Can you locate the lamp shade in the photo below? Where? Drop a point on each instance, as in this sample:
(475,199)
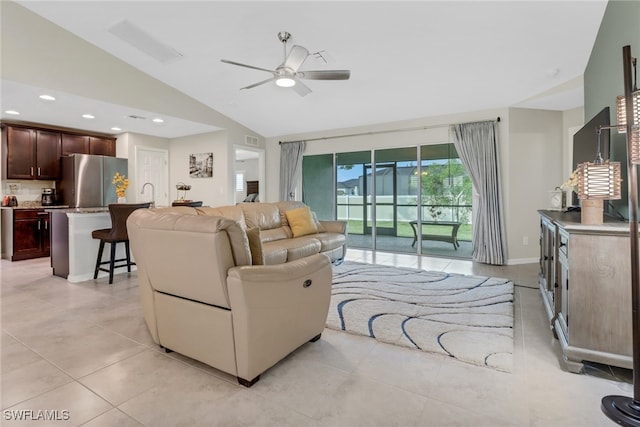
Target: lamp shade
(599,180)
(622,111)
(635,144)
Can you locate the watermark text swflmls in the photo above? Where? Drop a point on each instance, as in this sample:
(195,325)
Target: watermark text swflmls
(36,415)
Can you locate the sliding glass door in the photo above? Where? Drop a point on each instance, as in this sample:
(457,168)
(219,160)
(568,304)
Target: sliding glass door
(410,199)
(446,202)
(385,199)
(353,201)
(396,199)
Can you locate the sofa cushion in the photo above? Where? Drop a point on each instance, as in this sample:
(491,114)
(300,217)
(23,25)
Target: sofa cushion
(319,225)
(273,234)
(274,254)
(265,216)
(255,245)
(288,205)
(232,212)
(298,247)
(329,241)
(301,221)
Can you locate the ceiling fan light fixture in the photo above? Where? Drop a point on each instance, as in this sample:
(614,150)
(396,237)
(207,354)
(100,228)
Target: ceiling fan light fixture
(285,81)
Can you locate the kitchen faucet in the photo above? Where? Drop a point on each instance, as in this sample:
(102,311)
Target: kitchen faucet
(153,193)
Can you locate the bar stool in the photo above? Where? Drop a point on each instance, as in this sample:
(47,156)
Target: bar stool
(116,234)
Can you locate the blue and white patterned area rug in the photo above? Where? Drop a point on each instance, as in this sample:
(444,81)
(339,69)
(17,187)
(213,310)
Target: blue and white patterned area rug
(469,318)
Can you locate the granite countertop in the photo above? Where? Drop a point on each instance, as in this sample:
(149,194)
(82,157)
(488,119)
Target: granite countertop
(35,206)
(69,210)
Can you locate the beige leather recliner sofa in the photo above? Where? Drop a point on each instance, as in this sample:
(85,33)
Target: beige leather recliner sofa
(202,297)
(278,241)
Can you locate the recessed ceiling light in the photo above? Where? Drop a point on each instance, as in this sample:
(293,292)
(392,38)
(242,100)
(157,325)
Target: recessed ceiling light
(88,116)
(115,128)
(47,97)
(14,112)
(158,120)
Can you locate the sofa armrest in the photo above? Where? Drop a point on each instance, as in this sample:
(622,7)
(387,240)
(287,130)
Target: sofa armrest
(335,226)
(249,283)
(276,309)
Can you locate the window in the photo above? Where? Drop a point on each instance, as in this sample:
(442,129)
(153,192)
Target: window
(240,181)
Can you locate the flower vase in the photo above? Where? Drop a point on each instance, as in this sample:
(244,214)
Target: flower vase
(122,199)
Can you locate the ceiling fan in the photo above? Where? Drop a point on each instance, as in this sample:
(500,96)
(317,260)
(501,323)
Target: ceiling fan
(287,74)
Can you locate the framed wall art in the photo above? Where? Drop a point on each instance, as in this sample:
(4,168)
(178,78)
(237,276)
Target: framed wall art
(201,165)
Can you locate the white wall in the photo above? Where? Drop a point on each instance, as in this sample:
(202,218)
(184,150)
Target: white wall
(215,191)
(251,169)
(535,158)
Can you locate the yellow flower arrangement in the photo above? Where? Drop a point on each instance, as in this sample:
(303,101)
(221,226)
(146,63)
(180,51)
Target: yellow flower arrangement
(571,183)
(121,183)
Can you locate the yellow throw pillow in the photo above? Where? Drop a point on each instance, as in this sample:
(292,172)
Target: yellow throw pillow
(301,221)
(255,246)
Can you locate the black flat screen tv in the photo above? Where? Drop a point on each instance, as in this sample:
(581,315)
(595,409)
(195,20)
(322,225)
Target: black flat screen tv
(585,141)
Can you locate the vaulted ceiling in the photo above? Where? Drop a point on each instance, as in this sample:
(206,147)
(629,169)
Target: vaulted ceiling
(407,59)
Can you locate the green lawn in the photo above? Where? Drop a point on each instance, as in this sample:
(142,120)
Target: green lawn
(405,230)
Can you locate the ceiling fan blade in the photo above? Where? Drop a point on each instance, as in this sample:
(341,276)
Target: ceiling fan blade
(296,57)
(324,75)
(301,88)
(245,65)
(258,84)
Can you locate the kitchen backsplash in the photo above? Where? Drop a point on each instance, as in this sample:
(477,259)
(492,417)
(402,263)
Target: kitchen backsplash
(26,191)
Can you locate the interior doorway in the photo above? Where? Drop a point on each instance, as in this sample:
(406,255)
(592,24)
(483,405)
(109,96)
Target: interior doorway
(249,175)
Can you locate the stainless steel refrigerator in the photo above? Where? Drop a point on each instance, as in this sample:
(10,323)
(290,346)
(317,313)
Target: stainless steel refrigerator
(87,180)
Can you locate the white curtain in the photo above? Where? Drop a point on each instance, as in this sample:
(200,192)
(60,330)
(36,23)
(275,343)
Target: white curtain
(477,147)
(290,168)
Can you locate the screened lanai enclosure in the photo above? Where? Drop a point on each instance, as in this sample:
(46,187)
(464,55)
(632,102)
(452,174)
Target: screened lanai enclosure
(407,200)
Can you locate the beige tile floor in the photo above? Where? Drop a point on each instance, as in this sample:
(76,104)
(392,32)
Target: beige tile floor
(83,350)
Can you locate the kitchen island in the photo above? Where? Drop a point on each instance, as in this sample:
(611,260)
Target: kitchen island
(73,250)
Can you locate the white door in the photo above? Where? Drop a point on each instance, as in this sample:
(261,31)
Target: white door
(152,165)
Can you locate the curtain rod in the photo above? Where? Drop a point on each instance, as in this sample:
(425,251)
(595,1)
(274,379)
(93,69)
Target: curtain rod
(381,132)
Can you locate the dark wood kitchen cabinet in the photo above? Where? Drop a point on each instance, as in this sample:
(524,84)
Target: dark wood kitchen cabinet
(31,234)
(102,146)
(32,153)
(47,155)
(84,144)
(72,144)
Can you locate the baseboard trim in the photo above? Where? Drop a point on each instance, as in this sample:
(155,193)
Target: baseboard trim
(518,261)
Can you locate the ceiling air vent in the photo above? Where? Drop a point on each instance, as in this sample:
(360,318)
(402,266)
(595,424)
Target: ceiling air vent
(251,140)
(138,38)
(136,117)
